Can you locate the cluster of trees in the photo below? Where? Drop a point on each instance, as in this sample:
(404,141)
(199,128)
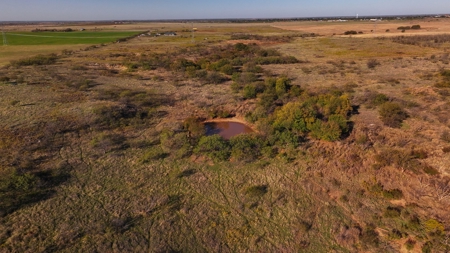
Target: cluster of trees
(282,39)
(423,40)
(414,27)
(36,60)
(352,32)
(215,64)
(323,117)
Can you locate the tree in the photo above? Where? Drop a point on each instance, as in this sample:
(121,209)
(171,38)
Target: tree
(214,146)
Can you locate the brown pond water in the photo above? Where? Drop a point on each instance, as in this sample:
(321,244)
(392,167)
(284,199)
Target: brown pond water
(226,129)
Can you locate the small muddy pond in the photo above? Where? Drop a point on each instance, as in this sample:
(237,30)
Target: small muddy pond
(226,129)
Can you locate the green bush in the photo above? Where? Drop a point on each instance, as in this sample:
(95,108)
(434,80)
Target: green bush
(281,86)
(380,99)
(182,64)
(215,78)
(20,182)
(245,147)
(227,69)
(153,153)
(249,91)
(36,60)
(252,67)
(392,114)
(257,191)
(194,126)
(328,131)
(214,147)
(325,116)
(393,194)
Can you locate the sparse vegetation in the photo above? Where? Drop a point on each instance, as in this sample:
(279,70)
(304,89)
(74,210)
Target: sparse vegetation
(104,148)
(392,114)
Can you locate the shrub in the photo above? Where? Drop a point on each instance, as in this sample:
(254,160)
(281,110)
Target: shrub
(252,67)
(395,157)
(36,60)
(395,234)
(391,212)
(257,191)
(245,78)
(215,78)
(245,147)
(372,63)
(281,86)
(427,247)
(416,27)
(380,99)
(392,114)
(153,153)
(370,237)
(430,170)
(409,244)
(393,194)
(419,153)
(328,131)
(434,226)
(4,79)
(214,146)
(350,32)
(194,126)
(21,181)
(227,69)
(249,91)
(241,47)
(445,136)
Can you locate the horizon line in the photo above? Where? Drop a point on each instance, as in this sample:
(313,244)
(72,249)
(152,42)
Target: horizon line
(225,19)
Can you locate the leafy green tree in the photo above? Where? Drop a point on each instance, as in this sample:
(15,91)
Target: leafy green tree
(249,91)
(282,86)
(245,147)
(214,146)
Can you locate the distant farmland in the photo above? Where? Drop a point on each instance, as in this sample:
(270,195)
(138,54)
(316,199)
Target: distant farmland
(64,38)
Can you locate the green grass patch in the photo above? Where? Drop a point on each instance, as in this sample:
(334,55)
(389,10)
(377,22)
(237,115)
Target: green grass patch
(64,38)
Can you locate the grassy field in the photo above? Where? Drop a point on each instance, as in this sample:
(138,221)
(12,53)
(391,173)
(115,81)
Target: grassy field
(102,150)
(63,38)
(26,44)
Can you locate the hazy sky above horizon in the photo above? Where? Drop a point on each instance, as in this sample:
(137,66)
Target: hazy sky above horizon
(50,10)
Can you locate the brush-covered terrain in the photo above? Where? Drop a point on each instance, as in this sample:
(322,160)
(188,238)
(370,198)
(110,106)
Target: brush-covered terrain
(103,148)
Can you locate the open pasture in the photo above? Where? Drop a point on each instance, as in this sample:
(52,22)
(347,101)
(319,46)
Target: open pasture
(64,38)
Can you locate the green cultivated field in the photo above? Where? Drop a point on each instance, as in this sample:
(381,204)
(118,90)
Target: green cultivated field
(64,38)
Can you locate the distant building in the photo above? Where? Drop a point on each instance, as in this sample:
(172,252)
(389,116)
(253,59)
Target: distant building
(170,34)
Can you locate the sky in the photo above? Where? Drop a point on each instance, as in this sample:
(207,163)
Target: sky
(68,10)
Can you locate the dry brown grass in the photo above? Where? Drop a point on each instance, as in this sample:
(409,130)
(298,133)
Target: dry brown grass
(319,197)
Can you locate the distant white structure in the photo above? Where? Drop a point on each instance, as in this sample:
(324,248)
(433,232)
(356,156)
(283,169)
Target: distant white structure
(357,16)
